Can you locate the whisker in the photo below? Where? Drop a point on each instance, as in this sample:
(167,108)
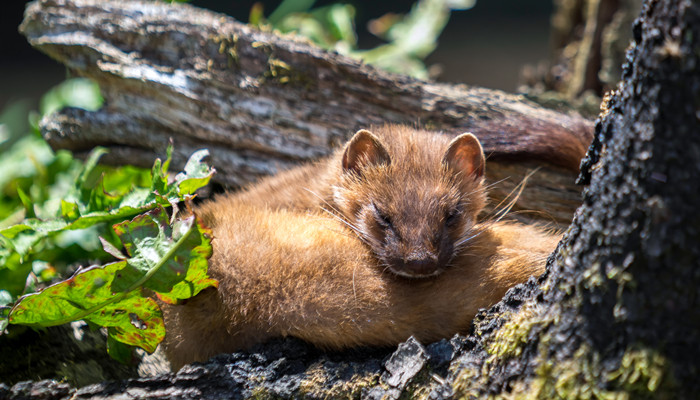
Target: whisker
(499,214)
(354,291)
(341,219)
(324,201)
(463,241)
(492,184)
(544,214)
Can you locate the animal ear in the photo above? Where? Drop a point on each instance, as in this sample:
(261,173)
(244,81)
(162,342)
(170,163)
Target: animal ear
(364,149)
(465,155)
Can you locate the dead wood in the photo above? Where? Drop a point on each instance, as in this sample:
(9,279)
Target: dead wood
(261,102)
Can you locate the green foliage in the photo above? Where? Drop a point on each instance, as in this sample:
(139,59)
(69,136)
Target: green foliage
(33,185)
(167,258)
(410,38)
(56,211)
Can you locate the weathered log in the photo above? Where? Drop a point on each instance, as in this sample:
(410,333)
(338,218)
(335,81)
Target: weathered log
(262,103)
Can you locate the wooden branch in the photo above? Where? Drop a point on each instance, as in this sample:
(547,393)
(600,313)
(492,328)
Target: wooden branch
(262,103)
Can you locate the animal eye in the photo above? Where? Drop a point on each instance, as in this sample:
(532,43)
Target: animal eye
(382,218)
(452,217)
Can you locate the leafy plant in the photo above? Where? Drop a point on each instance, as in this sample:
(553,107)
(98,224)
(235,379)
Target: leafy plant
(52,224)
(34,182)
(410,38)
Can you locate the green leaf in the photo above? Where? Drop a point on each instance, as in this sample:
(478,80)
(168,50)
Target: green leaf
(90,165)
(27,235)
(288,7)
(4,313)
(69,210)
(168,155)
(168,258)
(87,295)
(78,92)
(26,202)
(196,175)
(136,321)
(112,249)
(75,298)
(148,240)
(340,18)
(171,259)
(99,206)
(118,350)
(199,245)
(122,180)
(15,280)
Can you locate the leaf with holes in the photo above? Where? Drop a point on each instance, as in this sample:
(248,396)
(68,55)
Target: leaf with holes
(164,255)
(87,295)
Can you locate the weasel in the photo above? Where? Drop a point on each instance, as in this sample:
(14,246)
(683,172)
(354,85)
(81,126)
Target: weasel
(397,252)
(411,195)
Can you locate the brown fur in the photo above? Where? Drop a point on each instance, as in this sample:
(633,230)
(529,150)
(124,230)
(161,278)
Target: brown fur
(418,178)
(286,273)
(287,268)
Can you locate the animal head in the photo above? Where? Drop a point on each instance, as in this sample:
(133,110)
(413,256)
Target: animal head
(412,196)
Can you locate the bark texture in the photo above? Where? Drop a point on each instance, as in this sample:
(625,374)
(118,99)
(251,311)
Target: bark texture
(616,315)
(261,103)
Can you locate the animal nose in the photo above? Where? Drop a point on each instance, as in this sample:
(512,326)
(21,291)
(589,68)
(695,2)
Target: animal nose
(418,264)
(420,268)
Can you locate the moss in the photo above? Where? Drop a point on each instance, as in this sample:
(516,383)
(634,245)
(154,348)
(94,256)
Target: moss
(228,45)
(261,393)
(466,385)
(642,374)
(316,384)
(592,277)
(279,70)
(507,342)
(642,370)
(262,45)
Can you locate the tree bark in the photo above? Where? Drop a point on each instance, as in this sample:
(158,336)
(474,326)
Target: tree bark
(617,313)
(261,103)
(614,316)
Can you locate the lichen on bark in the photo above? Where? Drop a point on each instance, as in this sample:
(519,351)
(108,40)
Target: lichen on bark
(620,295)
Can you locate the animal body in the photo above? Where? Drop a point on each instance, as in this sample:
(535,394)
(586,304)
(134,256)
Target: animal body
(368,247)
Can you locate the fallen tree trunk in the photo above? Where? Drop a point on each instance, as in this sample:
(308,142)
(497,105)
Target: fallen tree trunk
(262,103)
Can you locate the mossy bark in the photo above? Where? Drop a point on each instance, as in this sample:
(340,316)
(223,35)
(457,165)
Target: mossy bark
(616,315)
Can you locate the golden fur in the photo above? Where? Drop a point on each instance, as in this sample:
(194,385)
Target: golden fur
(285,267)
(286,273)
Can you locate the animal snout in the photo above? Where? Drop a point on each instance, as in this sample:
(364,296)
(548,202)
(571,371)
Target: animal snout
(417,266)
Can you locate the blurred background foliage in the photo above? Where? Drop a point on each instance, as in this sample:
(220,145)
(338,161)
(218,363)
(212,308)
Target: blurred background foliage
(396,36)
(409,37)
(33,182)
